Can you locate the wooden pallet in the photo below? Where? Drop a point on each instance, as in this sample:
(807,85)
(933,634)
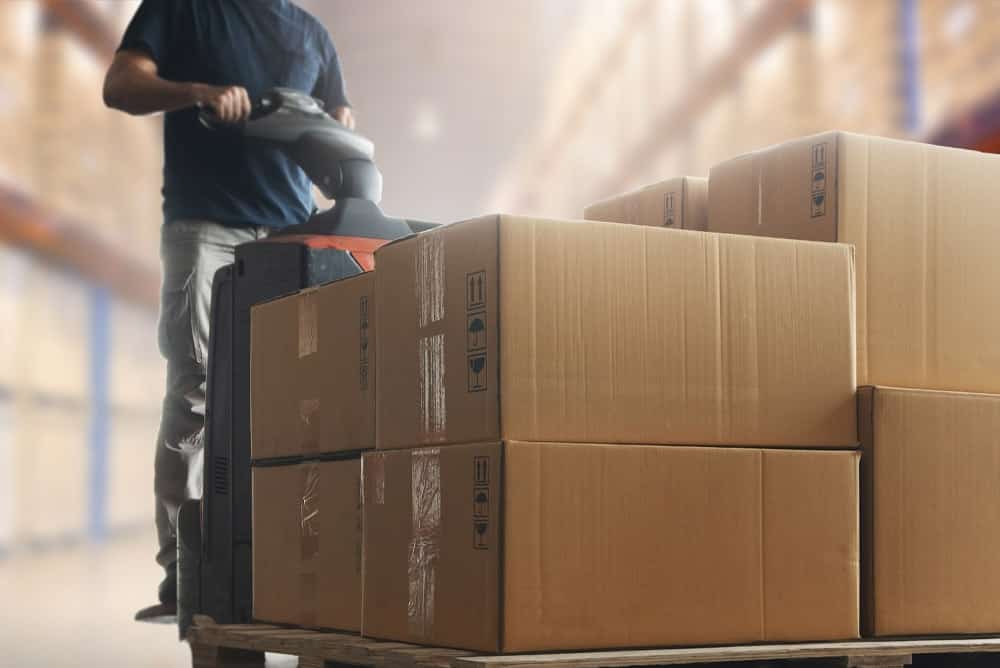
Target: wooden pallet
(243,646)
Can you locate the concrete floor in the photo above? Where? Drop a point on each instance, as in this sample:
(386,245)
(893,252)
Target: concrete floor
(73,607)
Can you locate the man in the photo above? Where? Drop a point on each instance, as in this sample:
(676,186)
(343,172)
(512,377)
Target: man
(178,56)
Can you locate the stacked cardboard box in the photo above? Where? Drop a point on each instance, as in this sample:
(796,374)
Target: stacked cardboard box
(312,412)
(923,222)
(530,373)
(680,203)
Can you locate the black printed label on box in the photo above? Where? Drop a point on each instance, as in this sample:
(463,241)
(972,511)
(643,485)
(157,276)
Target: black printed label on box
(481,503)
(477,372)
(669,220)
(817,185)
(482,470)
(475,291)
(475,332)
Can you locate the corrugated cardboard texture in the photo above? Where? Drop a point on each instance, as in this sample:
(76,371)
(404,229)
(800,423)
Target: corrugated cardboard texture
(595,332)
(616,546)
(277,493)
(678,203)
(438,361)
(312,371)
(614,333)
(934,506)
(922,219)
(307,544)
(432,550)
(338,601)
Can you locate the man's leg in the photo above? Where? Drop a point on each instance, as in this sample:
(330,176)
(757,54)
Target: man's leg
(191,251)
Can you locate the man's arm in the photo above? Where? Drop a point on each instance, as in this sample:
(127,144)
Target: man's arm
(345,115)
(330,87)
(133,85)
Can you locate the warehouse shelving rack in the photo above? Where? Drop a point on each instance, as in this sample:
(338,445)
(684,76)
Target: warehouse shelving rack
(108,276)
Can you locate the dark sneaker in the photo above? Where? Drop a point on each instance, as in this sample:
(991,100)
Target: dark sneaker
(168,588)
(161,613)
(164,612)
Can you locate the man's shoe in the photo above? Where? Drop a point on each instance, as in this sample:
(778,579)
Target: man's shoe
(161,613)
(168,588)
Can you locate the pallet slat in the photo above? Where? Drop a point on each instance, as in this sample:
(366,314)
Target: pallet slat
(856,652)
(215,646)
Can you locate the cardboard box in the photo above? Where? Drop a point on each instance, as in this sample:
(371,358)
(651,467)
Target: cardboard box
(678,203)
(589,332)
(528,547)
(923,222)
(312,371)
(307,544)
(931,509)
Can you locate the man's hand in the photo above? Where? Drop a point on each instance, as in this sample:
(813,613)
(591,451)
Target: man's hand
(345,116)
(231,104)
(133,85)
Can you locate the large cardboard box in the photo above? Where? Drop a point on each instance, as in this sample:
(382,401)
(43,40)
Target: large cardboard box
(589,332)
(678,203)
(307,544)
(312,377)
(931,509)
(527,547)
(923,220)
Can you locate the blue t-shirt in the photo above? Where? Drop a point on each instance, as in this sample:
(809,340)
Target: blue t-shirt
(257,44)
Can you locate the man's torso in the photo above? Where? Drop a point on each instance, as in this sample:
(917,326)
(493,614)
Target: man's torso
(257,44)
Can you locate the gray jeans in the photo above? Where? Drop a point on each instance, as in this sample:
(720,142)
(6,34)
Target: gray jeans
(191,252)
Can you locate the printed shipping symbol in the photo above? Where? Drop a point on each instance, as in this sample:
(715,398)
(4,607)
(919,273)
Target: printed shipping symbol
(476,332)
(475,291)
(482,467)
(477,372)
(479,535)
(481,502)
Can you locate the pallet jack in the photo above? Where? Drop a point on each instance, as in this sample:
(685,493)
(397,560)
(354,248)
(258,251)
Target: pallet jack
(214,536)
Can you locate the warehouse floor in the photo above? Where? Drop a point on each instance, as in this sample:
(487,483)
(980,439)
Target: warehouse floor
(74,607)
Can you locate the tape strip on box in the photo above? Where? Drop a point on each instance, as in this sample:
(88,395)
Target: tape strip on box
(429,279)
(431,399)
(308,324)
(424,547)
(309,537)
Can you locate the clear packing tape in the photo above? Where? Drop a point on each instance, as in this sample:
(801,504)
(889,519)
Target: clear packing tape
(429,283)
(425,539)
(309,407)
(309,536)
(433,409)
(308,324)
(428,279)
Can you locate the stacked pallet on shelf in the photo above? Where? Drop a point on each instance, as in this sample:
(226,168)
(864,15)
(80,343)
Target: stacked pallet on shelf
(19,31)
(49,386)
(958,60)
(77,460)
(14,269)
(923,222)
(136,378)
(73,146)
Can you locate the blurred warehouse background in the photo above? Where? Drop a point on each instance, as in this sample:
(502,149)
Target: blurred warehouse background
(525,106)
